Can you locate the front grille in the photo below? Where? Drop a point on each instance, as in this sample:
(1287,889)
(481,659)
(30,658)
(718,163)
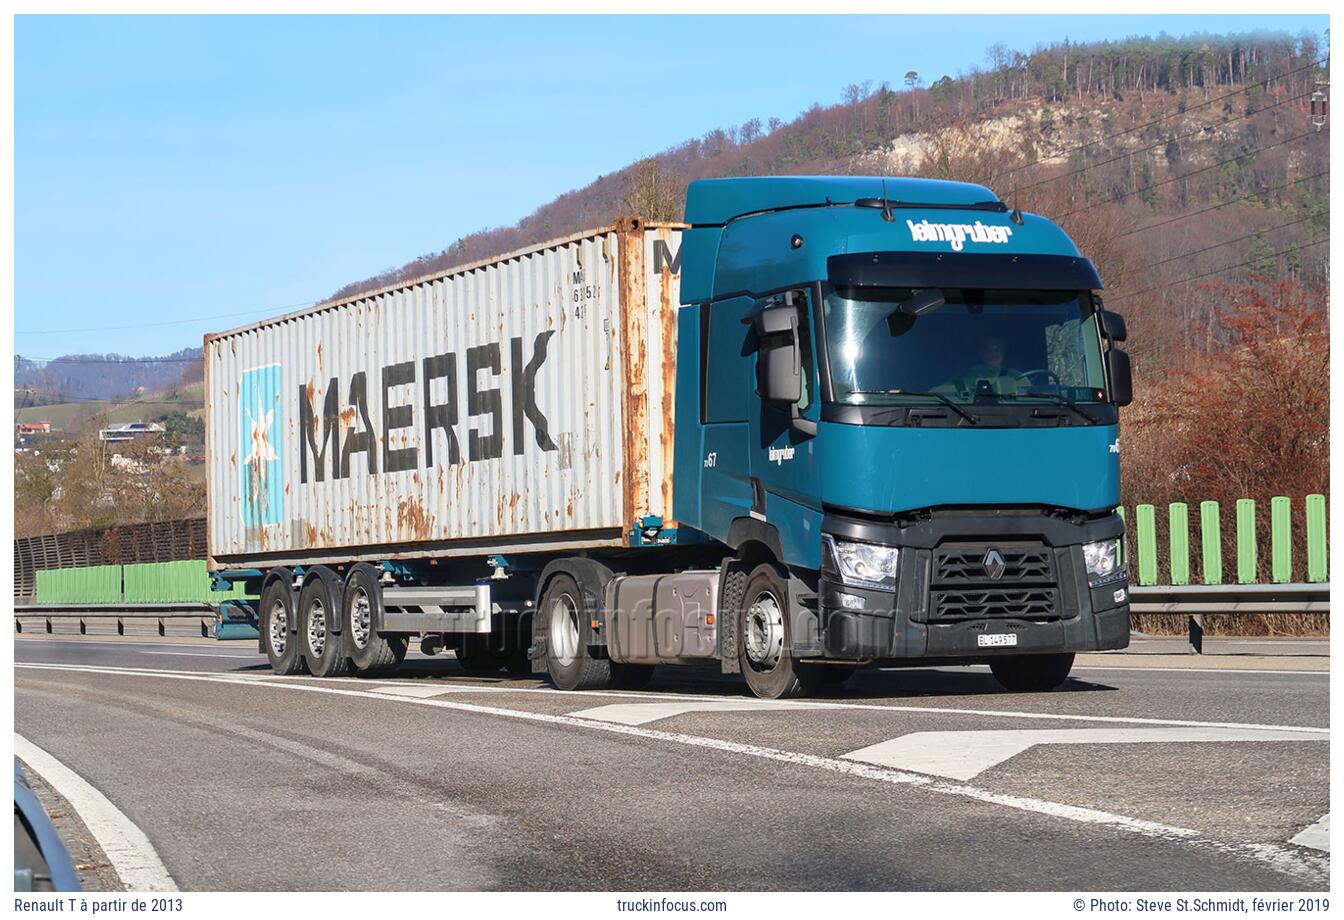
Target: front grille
(965,565)
(1021,603)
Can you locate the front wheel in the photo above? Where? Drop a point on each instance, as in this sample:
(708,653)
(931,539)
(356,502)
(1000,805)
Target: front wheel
(763,639)
(1031,673)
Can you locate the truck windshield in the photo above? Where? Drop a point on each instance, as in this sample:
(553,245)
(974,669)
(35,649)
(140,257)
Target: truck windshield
(980,345)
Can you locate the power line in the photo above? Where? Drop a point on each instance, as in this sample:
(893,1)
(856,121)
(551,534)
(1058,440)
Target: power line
(1186,255)
(1247,197)
(172,322)
(1225,268)
(1151,147)
(1170,115)
(1194,172)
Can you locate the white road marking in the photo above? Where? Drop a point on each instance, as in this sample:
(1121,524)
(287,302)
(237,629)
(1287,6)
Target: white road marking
(203,655)
(127,848)
(1279,858)
(1144,669)
(643,713)
(1317,837)
(419,692)
(967,754)
(261,677)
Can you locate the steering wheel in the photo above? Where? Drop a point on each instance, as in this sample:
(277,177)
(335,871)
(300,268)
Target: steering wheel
(1051,378)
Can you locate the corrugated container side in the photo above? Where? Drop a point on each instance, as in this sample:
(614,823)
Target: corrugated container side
(520,403)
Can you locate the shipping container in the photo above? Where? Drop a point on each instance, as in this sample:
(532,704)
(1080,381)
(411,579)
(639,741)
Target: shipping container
(520,403)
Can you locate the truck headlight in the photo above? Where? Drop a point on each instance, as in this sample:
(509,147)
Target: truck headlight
(864,565)
(1102,562)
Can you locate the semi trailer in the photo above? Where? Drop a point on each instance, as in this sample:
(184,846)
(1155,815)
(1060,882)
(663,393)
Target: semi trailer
(824,423)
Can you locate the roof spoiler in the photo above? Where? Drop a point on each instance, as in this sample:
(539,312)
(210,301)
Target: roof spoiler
(1000,270)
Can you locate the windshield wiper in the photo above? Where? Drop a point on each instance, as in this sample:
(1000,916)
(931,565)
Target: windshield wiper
(1059,400)
(974,420)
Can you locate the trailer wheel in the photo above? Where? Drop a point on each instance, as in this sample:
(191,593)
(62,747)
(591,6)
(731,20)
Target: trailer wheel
(1031,673)
(563,623)
(277,628)
(371,653)
(323,650)
(763,635)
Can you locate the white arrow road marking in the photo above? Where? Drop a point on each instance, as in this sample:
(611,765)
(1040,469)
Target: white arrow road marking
(965,754)
(1317,836)
(642,713)
(423,693)
(128,849)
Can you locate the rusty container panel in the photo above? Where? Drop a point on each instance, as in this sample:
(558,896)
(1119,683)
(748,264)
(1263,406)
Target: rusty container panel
(662,281)
(521,403)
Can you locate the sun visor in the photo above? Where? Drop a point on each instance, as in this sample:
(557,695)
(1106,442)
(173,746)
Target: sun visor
(1004,271)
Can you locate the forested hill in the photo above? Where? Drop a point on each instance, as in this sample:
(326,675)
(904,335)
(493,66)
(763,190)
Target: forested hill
(1011,123)
(85,377)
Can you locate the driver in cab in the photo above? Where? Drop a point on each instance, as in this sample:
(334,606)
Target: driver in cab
(990,369)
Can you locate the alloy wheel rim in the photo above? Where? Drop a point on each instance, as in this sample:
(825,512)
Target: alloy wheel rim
(360,618)
(279,627)
(317,627)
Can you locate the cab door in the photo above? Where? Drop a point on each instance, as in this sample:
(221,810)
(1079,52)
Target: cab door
(784,474)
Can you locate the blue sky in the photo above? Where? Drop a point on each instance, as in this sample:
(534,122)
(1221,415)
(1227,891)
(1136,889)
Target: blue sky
(172,170)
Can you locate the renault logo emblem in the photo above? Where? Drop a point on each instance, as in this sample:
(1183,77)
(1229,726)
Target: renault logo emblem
(994,564)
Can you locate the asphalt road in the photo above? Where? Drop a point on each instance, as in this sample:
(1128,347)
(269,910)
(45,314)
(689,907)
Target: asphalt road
(1155,777)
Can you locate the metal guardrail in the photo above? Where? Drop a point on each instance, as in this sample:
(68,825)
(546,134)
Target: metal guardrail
(1197,601)
(206,613)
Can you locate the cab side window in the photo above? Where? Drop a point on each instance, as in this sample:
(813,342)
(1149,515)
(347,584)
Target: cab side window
(729,361)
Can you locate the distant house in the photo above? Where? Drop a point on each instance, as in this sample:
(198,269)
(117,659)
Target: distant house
(129,431)
(26,434)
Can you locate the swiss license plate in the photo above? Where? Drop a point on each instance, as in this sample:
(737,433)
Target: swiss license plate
(997,640)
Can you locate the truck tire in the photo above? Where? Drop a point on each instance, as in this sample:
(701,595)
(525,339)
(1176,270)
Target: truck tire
(323,649)
(371,654)
(563,619)
(1031,673)
(763,635)
(278,632)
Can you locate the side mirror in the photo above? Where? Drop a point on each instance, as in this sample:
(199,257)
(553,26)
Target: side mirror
(1121,377)
(1112,325)
(779,371)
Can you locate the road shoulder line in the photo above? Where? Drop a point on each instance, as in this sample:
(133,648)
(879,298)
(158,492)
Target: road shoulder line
(127,848)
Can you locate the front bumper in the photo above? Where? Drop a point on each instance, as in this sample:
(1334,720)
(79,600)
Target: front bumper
(946,606)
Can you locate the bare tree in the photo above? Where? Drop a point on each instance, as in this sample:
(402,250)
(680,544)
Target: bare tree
(651,193)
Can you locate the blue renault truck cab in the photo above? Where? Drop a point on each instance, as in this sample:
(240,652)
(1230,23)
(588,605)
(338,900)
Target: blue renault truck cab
(897,405)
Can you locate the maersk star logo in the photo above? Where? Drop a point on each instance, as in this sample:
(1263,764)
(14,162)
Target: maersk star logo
(261,472)
(261,452)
